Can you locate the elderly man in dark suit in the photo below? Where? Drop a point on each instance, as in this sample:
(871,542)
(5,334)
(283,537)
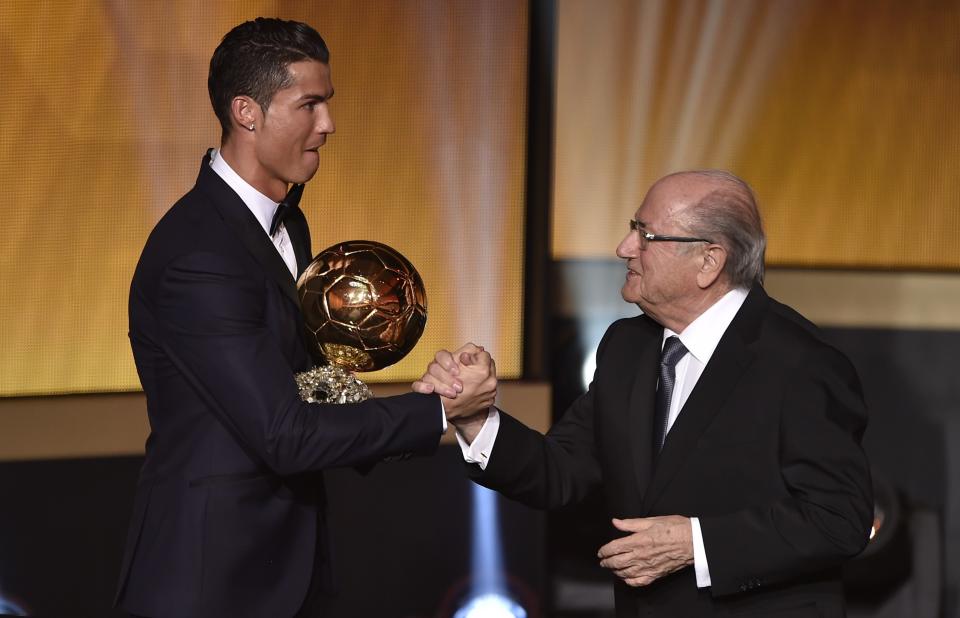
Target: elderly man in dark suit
(228,518)
(722,429)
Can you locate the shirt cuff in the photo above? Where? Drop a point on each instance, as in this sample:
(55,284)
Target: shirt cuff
(478,452)
(700,566)
(443,416)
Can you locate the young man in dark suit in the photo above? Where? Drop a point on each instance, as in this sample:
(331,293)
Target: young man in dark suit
(723,431)
(228,518)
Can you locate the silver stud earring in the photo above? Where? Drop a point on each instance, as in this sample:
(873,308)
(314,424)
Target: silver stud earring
(251,127)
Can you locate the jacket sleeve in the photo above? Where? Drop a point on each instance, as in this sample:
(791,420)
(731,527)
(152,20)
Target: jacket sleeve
(546,471)
(826,518)
(211,316)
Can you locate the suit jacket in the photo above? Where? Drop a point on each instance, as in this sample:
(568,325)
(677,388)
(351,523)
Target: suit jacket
(228,517)
(766,452)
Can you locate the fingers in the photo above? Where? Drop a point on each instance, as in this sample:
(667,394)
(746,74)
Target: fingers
(641,573)
(422,387)
(444,376)
(470,348)
(437,380)
(480,359)
(451,375)
(613,548)
(627,564)
(446,360)
(637,582)
(443,372)
(489,389)
(443,388)
(617,562)
(624,543)
(631,525)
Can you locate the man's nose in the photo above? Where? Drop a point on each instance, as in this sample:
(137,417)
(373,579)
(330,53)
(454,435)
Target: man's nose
(326,124)
(629,247)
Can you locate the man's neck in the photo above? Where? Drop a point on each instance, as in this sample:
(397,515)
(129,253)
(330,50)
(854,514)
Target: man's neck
(699,304)
(242,159)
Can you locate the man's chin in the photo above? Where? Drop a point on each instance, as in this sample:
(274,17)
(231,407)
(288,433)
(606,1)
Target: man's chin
(304,175)
(632,297)
(309,164)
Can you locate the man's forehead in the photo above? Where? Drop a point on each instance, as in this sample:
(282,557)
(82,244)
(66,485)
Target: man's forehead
(682,187)
(671,194)
(310,76)
(658,203)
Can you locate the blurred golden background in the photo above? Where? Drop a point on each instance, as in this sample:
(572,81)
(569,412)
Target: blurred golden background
(841,114)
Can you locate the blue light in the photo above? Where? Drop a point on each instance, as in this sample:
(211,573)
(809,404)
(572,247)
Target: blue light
(486,556)
(488,591)
(490,606)
(9,608)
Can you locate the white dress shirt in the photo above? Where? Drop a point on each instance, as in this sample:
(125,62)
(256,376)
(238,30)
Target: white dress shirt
(700,338)
(262,207)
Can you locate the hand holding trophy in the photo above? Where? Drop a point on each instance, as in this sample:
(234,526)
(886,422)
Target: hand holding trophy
(364,307)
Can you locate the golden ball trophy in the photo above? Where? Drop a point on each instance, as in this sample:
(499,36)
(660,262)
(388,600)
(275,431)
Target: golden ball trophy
(364,308)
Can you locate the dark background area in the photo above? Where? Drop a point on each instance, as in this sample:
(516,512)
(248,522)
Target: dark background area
(401,536)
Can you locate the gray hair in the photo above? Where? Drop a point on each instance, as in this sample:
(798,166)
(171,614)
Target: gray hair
(729,216)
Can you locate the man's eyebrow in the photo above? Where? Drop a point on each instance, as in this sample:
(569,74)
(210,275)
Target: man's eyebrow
(316,97)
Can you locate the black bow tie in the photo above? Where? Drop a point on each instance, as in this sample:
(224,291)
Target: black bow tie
(285,207)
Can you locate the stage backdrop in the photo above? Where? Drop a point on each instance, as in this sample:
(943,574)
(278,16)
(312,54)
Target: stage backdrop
(843,116)
(107,119)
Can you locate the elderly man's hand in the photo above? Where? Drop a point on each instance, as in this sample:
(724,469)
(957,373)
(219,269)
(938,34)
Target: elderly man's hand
(657,546)
(466,380)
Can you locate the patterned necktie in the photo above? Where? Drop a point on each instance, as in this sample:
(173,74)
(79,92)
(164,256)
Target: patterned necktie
(673,351)
(283,209)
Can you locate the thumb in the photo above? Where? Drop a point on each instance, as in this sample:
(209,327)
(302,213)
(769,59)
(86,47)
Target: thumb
(628,525)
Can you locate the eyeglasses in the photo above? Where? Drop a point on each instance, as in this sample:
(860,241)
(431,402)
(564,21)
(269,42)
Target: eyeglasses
(645,236)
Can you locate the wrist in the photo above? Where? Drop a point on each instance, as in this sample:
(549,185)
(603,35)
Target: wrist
(468,427)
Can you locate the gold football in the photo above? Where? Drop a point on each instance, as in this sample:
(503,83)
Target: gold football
(364,305)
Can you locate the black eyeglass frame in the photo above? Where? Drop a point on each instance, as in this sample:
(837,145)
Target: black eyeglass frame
(637,226)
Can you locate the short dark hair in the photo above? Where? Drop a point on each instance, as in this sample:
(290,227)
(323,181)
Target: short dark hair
(252,60)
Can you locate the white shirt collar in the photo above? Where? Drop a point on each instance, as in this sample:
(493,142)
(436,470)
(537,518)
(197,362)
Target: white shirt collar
(259,204)
(701,336)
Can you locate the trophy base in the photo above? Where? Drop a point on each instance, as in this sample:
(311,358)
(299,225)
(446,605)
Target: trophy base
(331,384)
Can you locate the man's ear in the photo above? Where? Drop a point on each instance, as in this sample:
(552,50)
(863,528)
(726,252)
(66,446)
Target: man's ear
(245,113)
(712,261)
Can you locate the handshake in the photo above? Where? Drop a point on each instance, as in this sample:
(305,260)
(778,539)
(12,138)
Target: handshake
(466,381)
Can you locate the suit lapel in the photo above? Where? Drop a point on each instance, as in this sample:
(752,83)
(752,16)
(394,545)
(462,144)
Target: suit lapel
(640,404)
(236,214)
(719,378)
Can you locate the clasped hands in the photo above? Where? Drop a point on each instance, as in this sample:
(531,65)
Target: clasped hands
(466,381)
